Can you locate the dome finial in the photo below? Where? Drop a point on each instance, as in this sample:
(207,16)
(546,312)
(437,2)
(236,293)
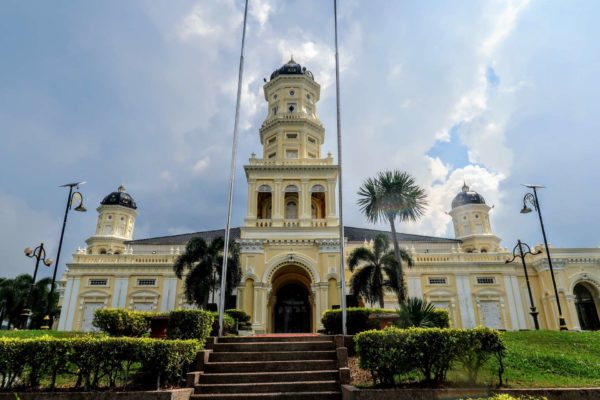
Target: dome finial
(292,59)
(465,187)
(121,189)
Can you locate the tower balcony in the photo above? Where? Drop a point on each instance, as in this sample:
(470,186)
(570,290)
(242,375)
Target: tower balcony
(290,161)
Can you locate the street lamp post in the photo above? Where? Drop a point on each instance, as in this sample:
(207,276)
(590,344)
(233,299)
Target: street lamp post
(73,196)
(534,313)
(532,199)
(40,255)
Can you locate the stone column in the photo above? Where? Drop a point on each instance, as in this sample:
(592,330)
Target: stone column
(333,293)
(249,297)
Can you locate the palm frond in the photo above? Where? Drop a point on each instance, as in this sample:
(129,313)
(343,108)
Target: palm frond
(360,255)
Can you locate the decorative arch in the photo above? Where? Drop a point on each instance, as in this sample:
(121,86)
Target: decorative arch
(586,279)
(291,259)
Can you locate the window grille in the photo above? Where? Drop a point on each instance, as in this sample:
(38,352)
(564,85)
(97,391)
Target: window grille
(146,282)
(485,280)
(438,281)
(98,282)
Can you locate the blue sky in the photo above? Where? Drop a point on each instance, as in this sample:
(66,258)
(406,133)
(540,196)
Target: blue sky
(142,93)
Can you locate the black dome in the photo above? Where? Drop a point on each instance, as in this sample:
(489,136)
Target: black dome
(466,196)
(291,68)
(119,198)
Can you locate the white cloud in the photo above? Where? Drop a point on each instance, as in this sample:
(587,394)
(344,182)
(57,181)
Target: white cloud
(201,165)
(505,23)
(261,10)
(211,20)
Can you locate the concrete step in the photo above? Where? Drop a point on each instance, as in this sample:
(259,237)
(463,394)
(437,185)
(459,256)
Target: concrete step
(336,395)
(271,339)
(273,346)
(272,356)
(268,387)
(270,366)
(260,377)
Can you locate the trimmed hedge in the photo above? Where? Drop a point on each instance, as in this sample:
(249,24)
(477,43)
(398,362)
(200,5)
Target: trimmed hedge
(240,316)
(357,319)
(121,322)
(441,318)
(27,362)
(429,351)
(228,324)
(190,324)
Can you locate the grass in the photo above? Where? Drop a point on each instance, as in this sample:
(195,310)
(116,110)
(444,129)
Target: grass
(551,359)
(30,333)
(534,359)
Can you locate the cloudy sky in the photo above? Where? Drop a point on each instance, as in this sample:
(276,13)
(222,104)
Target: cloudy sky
(142,93)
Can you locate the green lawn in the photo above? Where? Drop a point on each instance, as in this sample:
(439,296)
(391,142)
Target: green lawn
(26,334)
(547,359)
(533,359)
(551,358)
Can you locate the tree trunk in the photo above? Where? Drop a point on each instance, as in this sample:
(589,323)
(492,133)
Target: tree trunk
(401,291)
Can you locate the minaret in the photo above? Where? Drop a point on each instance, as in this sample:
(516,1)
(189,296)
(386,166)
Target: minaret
(292,185)
(116,220)
(470,216)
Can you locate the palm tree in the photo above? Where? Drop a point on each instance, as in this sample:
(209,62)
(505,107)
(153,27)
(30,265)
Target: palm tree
(393,195)
(203,261)
(379,271)
(417,312)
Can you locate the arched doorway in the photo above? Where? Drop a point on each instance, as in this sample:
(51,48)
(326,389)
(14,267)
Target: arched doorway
(586,308)
(291,306)
(292,309)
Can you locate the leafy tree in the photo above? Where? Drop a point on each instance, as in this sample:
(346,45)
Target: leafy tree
(391,196)
(15,298)
(202,261)
(377,271)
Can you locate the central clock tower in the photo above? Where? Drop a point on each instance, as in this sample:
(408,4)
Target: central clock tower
(290,237)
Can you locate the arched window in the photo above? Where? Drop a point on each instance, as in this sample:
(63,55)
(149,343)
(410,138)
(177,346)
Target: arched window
(291,209)
(291,189)
(317,202)
(264,201)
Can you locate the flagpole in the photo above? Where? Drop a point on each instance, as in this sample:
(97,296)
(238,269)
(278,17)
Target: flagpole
(339,154)
(232,178)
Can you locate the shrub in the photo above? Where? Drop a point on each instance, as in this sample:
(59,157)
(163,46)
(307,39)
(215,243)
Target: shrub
(428,351)
(120,322)
(440,318)
(477,347)
(243,319)
(91,359)
(357,319)
(382,353)
(190,324)
(228,324)
(421,314)
(505,396)
(432,350)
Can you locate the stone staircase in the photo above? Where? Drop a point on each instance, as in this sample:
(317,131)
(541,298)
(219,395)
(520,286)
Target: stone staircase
(271,367)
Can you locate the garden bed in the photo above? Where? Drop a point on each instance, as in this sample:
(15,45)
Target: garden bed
(353,393)
(173,394)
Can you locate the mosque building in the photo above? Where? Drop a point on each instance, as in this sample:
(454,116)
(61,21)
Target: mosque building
(289,246)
